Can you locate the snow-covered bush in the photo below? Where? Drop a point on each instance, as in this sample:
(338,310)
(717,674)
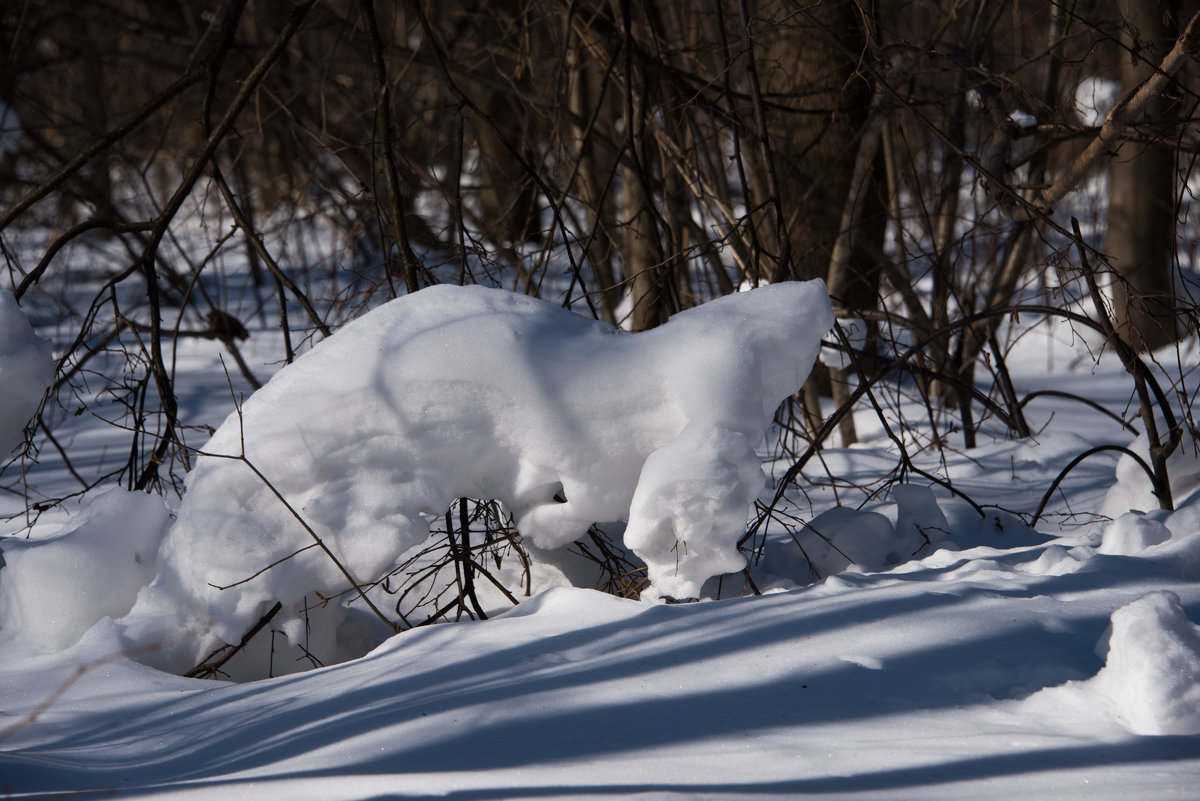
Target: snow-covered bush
(473,392)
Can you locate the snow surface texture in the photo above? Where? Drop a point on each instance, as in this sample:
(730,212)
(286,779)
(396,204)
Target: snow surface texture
(26,369)
(475,392)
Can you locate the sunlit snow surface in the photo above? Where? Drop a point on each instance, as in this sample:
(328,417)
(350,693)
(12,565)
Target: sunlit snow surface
(1001,664)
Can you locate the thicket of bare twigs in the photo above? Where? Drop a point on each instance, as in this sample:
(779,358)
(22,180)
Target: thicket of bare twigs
(627,158)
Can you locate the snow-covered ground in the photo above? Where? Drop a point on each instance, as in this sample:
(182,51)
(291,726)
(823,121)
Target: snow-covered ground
(1001,662)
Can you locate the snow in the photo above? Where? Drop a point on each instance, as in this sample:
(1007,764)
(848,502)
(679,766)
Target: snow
(481,393)
(1152,671)
(904,646)
(1094,98)
(104,560)
(1134,489)
(10,130)
(26,369)
(1133,532)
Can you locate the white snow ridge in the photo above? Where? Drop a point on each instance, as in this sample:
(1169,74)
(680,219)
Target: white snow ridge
(482,393)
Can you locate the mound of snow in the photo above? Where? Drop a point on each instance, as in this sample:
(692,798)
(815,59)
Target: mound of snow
(53,590)
(919,519)
(1133,489)
(26,369)
(474,392)
(1152,673)
(839,537)
(1133,532)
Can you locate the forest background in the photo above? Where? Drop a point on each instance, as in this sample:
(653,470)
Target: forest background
(944,165)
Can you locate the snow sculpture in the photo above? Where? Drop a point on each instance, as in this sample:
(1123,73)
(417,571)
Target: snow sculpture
(476,392)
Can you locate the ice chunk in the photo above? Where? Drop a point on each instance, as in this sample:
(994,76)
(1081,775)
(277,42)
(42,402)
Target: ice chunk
(1152,672)
(468,391)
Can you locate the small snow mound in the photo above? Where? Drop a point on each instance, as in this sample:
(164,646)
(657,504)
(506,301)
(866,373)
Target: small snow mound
(918,516)
(26,369)
(839,537)
(1133,489)
(53,590)
(828,544)
(1057,561)
(1152,672)
(1132,533)
(576,606)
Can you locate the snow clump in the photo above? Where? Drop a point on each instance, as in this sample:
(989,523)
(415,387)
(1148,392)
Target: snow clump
(53,590)
(475,392)
(1134,532)
(1152,672)
(26,369)
(1134,490)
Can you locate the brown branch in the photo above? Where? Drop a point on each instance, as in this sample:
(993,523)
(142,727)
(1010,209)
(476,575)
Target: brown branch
(146,261)
(111,138)
(208,668)
(384,125)
(1119,118)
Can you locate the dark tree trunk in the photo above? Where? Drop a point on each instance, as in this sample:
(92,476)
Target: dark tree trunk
(1141,214)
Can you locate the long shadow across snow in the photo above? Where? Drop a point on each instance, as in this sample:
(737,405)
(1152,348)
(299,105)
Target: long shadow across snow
(251,727)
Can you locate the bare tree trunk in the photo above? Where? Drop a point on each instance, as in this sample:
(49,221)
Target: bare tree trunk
(1141,212)
(644,261)
(591,104)
(642,254)
(807,83)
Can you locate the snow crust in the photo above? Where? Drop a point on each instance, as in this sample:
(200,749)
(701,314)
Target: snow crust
(475,392)
(26,369)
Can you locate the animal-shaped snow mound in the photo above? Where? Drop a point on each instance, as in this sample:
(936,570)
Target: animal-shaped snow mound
(473,392)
